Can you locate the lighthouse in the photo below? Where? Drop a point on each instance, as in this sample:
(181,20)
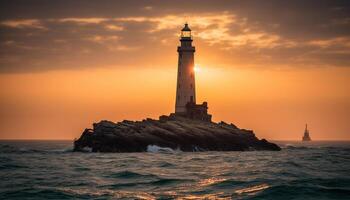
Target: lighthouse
(185,90)
(185,102)
(306,137)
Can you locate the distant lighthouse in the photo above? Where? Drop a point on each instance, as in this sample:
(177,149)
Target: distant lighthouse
(306,137)
(185,90)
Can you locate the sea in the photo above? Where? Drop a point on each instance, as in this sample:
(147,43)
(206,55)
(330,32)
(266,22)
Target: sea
(51,170)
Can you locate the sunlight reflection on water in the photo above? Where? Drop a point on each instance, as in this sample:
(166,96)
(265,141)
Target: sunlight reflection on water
(253,189)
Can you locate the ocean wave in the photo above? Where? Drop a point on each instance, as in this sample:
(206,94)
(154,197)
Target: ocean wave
(37,193)
(130,175)
(210,181)
(158,149)
(169,181)
(226,183)
(252,189)
(304,191)
(148,183)
(100,193)
(126,194)
(296,147)
(10,166)
(65,150)
(12,149)
(166,164)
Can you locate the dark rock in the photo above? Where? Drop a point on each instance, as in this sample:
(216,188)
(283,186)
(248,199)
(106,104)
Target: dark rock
(169,131)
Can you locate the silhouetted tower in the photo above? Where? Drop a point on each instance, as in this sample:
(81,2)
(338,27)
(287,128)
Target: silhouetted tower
(185,90)
(306,136)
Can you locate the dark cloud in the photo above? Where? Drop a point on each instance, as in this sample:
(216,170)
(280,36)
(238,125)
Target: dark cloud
(48,35)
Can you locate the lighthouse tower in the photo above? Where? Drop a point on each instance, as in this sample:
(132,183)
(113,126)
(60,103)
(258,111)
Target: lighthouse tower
(186,105)
(185,89)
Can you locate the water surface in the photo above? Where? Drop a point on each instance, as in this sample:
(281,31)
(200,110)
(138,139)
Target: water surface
(50,170)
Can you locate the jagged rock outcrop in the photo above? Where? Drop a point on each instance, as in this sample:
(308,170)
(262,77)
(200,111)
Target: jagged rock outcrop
(169,131)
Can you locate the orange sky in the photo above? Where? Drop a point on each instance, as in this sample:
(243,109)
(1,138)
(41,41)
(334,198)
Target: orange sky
(275,104)
(62,71)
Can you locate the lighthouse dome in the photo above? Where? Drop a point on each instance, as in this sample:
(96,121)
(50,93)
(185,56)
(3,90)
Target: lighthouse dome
(186,28)
(186,32)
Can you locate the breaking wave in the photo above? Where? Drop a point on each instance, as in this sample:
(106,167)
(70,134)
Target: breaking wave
(158,149)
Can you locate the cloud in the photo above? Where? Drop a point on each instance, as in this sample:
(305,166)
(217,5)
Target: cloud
(114,27)
(23,23)
(326,43)
(170,22)
(101,39)
(83,20)
(248,33)
(148,8)
(216,28)
(221,33)
(123,48)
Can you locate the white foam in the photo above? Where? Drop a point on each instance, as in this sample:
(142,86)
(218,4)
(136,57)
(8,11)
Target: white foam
(158,149)
(87,149)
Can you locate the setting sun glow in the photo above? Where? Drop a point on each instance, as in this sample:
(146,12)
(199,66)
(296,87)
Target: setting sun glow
(196,68)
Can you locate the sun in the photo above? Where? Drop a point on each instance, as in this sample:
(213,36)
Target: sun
(196,68)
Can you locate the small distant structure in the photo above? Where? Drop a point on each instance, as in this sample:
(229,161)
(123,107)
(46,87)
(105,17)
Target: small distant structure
(306,137)
(185,105)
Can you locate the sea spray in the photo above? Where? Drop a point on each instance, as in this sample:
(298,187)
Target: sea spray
(158,149)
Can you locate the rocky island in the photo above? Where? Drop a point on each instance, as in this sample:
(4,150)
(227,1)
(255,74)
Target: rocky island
(169,131)
(190,128)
